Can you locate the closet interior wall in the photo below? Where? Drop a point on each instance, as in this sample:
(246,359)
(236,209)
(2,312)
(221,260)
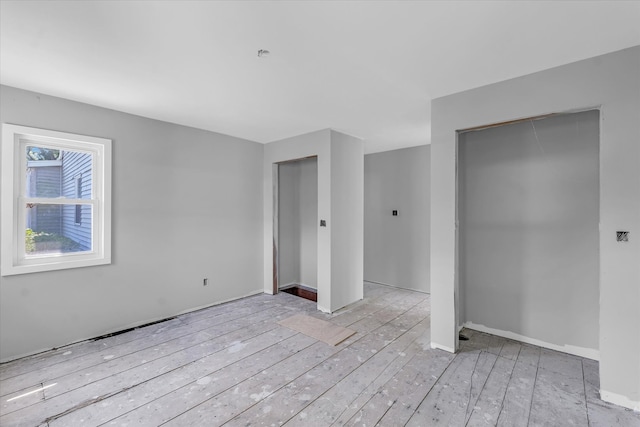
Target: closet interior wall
(528,211)
(298,223)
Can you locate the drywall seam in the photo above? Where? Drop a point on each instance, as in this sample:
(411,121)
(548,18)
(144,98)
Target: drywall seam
(588,353)
(129,326)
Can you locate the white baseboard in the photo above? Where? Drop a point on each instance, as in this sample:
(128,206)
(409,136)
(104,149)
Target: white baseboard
(618,399)
(397,286)
(310,287)
(287,285)
(300,285)
(324,310)
(589,353)
(442,347)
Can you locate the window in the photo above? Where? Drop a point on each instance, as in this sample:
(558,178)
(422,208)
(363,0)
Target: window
(78,213)
(56,200)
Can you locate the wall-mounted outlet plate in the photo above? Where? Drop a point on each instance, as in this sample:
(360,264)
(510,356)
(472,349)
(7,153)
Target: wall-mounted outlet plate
(622,236)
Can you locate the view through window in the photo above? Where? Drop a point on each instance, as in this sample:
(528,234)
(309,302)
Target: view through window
(55,200)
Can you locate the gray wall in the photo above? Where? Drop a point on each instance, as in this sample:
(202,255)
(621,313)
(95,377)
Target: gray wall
(288,224)
(308,186)
(528,212)
(611,83)
(298,225)
(347,219)
(186,205)
(340,203)
(396,248)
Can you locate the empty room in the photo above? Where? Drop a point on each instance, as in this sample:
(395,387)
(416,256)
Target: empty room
(319,213)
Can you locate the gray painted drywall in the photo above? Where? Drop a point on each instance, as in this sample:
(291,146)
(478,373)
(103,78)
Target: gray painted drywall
(295,148)
(288,224)
(340,203)
(347,220)
(396,248)
(186,205)
(298,226)
(528,213)
(610,82)
(308,185)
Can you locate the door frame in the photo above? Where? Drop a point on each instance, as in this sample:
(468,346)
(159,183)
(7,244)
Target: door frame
(276,219)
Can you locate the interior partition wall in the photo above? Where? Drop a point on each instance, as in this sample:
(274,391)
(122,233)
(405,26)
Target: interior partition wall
(610,84)
(340,213)
(528,213)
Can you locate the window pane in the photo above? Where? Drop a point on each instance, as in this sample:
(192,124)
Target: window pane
(55,173)
(52,229)
(41,153)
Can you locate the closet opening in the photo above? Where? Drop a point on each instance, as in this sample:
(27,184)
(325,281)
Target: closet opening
(296,228)
(528,231)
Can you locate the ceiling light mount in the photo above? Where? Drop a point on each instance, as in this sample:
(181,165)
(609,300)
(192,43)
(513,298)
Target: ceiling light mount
(262,53)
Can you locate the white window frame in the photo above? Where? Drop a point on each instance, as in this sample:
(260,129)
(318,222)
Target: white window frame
(14,165)
(77,183)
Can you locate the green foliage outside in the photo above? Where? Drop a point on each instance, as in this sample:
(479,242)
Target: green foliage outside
(41,241)
(41,153)
(30,243)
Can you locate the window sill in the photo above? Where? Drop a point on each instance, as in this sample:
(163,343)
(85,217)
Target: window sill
(52,264)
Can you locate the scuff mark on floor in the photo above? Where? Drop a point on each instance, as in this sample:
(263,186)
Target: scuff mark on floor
(84,404)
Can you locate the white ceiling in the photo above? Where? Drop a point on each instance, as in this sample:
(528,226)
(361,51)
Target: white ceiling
(369,69)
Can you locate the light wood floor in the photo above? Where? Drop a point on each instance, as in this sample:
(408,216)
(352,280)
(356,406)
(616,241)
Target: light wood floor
(234,365)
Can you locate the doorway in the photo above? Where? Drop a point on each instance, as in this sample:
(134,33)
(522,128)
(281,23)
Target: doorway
(296,227)
(528,234)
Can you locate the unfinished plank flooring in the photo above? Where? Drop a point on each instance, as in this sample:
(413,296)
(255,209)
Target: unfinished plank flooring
(233,365)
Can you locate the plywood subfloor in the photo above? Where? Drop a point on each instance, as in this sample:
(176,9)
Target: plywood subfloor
(319,329)
(234,365)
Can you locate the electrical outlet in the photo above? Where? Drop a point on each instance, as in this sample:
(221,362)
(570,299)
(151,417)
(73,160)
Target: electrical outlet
(622,236)
(205,282)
